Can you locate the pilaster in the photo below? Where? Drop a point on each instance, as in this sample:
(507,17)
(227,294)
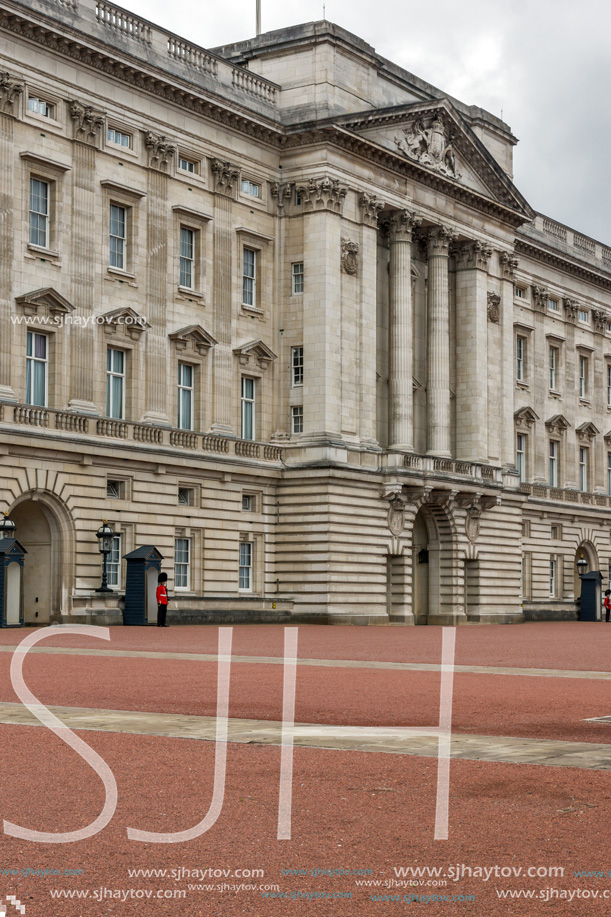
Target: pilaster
(508,264)
(223,354)
(438,342)
(7,234)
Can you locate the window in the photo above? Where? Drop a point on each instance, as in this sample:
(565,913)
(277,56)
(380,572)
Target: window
(248,503)
(251,187)
(526,574)
(118,137)
(115,383)
(553,463)
(552,304)
(249,277)
(297,419)
(609,385)
(555,533)
(583,377)
(41,107)
(39,212)
(185,396)
(520,359)
(245,577)
(118,237)
(583,315)
(297,366)
(187,258)
(113,568)
(552,578)
(553,368)
(526,528)
(518,292)
(115,489)
(187,165)
(583,467)
(186,496)
(37,365)
(297,275)
(609,472)
(182,563)
(521,455)
(248,408)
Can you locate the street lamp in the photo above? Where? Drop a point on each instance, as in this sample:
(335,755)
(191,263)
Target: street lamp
(104,535)
(581,565)
(7,526)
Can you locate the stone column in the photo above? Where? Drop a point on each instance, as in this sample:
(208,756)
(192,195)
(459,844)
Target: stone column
(160,152)
(87,125)
(400,351)
(508,264)
(225,176)
(438,342)
(370,207)
(472,367)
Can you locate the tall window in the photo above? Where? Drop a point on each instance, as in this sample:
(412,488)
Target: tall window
(115,383)
(248,408)
(520,359)
(297,367)
(297,419)
(583,467)
(521,455)
(609,385)
(553,368)
(249,277)
(583,377)
(37,364)
(553,463)
(39,213)
(245,572)
(185,396)
(609,472)
(552,578)
(114,562)
(117,237)
(297,275)
(182,563)
(187,257)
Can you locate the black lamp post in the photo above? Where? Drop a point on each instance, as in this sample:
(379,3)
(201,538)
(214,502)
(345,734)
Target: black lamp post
(7,526)
(581,565)
(104,535)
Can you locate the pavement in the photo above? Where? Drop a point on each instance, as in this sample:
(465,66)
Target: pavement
(530,788)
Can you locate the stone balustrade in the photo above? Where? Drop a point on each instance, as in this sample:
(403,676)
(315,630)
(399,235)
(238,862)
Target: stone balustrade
(430,463)
(565,495)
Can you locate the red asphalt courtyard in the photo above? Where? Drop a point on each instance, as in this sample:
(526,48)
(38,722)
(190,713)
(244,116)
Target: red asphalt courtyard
(357,816)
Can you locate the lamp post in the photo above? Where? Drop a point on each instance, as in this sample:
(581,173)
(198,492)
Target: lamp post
(581,565)
(104,535)
(7,526)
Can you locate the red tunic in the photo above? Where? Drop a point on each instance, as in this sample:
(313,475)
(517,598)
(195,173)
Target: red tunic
(162,594)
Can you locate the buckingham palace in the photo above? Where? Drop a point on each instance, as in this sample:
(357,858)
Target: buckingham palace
(278,309)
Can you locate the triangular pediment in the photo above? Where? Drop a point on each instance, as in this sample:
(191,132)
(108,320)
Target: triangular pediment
(255,350)
(557,422)
(46,299)
(125,319)
(587,430)
(525,416)
(194,336)
(434,137)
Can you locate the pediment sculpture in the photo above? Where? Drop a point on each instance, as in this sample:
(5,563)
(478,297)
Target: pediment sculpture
(429,145)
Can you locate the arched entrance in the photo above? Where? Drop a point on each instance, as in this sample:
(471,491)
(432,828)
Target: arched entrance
(586,550)
(44,530)
(425,566)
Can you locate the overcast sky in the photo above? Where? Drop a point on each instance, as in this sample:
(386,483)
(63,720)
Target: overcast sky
(546,64)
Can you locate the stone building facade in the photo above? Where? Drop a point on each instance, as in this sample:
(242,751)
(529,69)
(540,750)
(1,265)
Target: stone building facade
(279,310)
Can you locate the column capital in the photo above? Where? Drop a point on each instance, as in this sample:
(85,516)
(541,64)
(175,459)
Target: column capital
(439,239)
(370,208)
(401,224)
(473,255)
(324,193)
(88,123)
(509,264)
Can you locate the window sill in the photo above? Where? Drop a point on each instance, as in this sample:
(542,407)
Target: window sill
(188,293)
(585,402)
(524,385)
(122,276)
(253,309)
(555,393)
(39,251)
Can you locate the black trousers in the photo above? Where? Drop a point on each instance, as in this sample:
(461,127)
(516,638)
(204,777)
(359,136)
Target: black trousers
(161,613)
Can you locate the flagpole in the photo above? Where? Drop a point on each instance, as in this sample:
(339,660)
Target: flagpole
(258,17)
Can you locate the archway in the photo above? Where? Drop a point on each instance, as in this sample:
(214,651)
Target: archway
(425,566)
(45,531)
(586,550)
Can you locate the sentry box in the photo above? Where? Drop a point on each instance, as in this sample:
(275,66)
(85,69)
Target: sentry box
(590,607)
(12,554)
(143,568)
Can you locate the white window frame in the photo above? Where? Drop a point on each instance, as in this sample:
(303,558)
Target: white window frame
(35,104)
(584,373)
(117,138)
(183,387)
(521,345)
(297,366)
(584,463)
(609,385)
(118,251)
(552,304)
(553,573)
(189,162)
(113,567)
(31,361)
(609,472)
(521,444)
(248,404)
(249,280)
(554,355)
(252,188)
(186,263)
(182,569)
(39,210)
(246,566)
(112,373)
(519,292)
(583,315)
(297,278)
(553,462)
(296,419)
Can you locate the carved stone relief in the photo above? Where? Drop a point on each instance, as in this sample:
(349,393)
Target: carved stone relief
(494,307)
(429,144)
(350,260)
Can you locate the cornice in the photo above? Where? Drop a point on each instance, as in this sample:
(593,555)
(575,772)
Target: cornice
(90,52)
(568,266)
